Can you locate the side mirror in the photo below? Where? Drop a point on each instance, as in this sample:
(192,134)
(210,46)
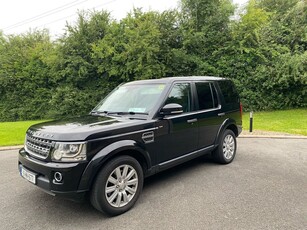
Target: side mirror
(171,109)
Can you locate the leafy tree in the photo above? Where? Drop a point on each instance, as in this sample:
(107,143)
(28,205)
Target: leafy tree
(131,49)
(278,7)
(205,31)
(257,59)
(263,51)
(25,63)
(78,85)
(285,82)
(287,25)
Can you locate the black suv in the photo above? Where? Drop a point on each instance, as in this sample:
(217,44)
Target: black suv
(139,129)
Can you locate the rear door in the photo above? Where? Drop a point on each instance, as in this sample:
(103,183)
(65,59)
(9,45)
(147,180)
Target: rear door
(209,113)
(230,101)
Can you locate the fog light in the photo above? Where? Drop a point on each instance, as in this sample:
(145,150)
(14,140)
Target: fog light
(58,177)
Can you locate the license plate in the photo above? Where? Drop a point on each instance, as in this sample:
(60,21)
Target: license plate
(29,176)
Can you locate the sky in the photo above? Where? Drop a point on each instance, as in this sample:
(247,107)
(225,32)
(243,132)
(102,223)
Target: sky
(18,16)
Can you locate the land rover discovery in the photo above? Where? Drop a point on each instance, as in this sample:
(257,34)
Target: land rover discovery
(139,129)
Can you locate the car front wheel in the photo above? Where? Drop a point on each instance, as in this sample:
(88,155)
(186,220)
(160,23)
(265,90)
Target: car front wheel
(117,186)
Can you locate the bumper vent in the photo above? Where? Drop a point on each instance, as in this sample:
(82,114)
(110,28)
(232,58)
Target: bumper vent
(37,147)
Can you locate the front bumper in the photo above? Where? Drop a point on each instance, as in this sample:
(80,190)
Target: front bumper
(44,172)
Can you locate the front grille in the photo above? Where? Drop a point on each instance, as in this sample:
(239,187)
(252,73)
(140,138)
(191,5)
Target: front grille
(38,147)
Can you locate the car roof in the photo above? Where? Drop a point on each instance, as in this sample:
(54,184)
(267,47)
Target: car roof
(167,80)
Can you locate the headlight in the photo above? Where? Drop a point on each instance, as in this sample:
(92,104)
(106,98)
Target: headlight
(69,152)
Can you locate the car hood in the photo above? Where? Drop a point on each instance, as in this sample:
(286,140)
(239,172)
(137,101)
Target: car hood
(86,128)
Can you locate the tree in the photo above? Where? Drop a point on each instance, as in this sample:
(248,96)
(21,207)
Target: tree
(266,68)
(25,63)
(263,51)
(205,31)
(78,84)
(131,49)
(287,24)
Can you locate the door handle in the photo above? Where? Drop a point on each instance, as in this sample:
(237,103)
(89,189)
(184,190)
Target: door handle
(221,114)
(192,121)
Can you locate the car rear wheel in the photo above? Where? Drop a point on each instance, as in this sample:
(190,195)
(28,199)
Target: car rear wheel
(226,151)
(117,186)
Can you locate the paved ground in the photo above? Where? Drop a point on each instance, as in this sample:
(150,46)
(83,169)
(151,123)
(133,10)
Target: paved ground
(264,188)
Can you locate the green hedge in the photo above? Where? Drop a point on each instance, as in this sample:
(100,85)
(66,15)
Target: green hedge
(263,51)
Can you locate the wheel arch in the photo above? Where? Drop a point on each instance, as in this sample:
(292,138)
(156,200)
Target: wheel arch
(233,128)
(120,148)
(227,124)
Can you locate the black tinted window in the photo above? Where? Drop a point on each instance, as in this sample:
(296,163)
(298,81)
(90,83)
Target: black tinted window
(204,94)
(181,94)
(229,92)
(207,95)
(214,93)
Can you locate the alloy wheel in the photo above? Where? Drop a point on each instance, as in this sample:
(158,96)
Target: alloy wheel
(121,185)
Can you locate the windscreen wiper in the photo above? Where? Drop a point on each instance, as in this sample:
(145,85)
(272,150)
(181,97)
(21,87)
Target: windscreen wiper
(99,112)
(126,113)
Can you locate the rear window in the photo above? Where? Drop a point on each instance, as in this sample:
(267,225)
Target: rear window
(229,92)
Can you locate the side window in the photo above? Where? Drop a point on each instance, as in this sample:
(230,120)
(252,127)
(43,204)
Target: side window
(229,92)
(206,93)
(215,100)
(181,94)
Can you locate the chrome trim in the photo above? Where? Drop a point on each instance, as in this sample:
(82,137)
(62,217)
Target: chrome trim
(123,134)
(148,137)
(34,154)
(192,121)
(38,147)
(186,155)
(192,113)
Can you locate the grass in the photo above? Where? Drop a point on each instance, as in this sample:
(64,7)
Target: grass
(288,121)
(292,121)
(13,133)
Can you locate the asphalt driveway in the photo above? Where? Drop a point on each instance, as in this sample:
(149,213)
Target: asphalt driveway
(264,188)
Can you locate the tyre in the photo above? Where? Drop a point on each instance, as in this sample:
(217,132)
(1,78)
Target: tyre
(226,150)
(118,186)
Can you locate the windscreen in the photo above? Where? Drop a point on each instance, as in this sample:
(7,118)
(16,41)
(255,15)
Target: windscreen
(140,98)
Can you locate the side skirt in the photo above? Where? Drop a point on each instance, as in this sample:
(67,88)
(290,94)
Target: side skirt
(179,160)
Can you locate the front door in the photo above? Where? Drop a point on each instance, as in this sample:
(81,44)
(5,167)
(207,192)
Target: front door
(178,133)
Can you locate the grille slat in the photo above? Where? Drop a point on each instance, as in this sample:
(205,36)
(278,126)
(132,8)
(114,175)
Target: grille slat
(148,137)
(38,147)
